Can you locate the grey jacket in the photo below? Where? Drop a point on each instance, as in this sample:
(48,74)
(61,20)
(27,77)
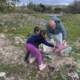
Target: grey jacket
(59,28)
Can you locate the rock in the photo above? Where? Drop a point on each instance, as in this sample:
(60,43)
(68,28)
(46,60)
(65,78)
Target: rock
(4,41)
(73,75)
(9,53)
(18,40)
(2,36)
(2,74)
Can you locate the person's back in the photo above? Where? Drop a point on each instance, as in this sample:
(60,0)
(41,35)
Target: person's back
(35,40)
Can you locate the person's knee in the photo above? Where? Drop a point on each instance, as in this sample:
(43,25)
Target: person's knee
(39,56)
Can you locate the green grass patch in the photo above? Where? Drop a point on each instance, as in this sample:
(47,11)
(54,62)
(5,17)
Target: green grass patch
(72,23)
(41,15)
(28,72)
(24,30)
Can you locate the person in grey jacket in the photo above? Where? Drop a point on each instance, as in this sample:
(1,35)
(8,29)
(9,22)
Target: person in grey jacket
(55,27)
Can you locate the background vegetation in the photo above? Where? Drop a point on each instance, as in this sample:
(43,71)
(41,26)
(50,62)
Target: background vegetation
(20,20)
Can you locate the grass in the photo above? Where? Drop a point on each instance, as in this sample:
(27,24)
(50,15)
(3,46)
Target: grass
(72,24)
(41,15)
(27,72)
(24,31)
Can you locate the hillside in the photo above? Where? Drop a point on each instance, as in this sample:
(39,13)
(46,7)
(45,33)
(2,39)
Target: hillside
(15,28)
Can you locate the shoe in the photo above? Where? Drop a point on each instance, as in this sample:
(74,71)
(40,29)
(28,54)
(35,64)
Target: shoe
(31,60)
(42,66)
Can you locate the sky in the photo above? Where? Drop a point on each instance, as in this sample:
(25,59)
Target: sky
(49,2)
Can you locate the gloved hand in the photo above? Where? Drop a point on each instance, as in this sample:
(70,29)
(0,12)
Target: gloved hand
(58,48)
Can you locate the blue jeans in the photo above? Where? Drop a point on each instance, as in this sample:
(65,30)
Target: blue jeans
(59,38)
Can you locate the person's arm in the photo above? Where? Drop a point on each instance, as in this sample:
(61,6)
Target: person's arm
(64,32)
(47,43)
